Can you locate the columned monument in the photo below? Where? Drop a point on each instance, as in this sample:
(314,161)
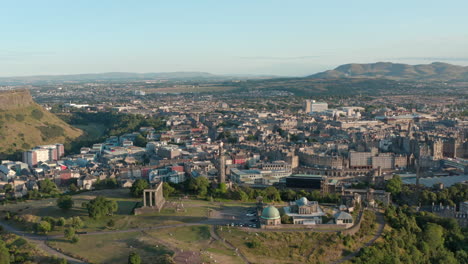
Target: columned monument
(153,199)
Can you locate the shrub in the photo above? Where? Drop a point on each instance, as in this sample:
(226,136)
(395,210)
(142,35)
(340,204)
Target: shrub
(65,202)
(37,114)
(253,244)
(75,239)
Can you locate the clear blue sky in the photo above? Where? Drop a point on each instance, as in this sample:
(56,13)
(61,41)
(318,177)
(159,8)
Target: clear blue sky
(284,37)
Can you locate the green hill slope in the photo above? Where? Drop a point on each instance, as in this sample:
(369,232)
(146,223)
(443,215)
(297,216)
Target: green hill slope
(25,124)
(429,72)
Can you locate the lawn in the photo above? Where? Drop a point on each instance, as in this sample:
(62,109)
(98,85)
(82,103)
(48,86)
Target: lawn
(194,211)
(113,248)
(48,207)
(197,239)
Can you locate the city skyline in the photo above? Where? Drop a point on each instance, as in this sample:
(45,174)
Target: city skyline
(274,38)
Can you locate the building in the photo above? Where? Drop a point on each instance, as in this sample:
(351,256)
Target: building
(304,181)
(308,106)
(360,160)
(270,216)
(168,174)
(258,177)
(343,218)
(304,212)
(43,154)
(317,107)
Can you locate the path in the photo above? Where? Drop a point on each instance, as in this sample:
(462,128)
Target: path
(40,242)
(180,256)
(215,235)
(380,219)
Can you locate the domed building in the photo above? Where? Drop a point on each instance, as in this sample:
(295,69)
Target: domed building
(270,216)
(304,212)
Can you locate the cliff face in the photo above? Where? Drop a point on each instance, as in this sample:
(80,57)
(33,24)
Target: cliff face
(25,124)
(15,99)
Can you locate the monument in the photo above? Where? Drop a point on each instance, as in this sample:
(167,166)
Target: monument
(153,199)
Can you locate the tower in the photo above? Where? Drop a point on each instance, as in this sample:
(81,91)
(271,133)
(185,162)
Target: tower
(222,165)
(418,171)
(308,106)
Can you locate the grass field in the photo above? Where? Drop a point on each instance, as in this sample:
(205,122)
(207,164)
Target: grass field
(113,248)
(195,211)
(197,239)
(294,247)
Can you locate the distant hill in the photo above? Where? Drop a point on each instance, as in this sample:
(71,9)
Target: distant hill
(425,72)
(25,124)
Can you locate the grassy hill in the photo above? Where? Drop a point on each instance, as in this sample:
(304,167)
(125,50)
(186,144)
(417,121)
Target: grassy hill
(25,124)
(435,71)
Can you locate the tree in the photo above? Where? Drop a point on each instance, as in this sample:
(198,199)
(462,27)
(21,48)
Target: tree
(272,194)
(315,195)
(73,188)
(138,186)
(394,185)
(34,194)
(69,233)
(43,227)
(240,195)
(286,219)
(134,258)
(434,235)
(167,190)
(76,222)
(48,187)
(4,253)
(165,259)
(75,239)
(199,185)
(8,188)
(61,221)
(288,195)
(140,141)
(65,202)
(100,206)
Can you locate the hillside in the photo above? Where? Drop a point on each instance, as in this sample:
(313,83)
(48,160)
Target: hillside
(436,71)
(25,124)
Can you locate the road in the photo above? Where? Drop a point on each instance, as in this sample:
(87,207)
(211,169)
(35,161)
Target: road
(380,219)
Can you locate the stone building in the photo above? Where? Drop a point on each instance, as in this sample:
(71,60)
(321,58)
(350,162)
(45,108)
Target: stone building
(270,216)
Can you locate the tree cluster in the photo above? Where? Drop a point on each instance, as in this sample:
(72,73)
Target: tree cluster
(418,237)
(101,206)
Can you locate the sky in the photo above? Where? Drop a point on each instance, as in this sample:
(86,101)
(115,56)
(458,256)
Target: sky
(284,37)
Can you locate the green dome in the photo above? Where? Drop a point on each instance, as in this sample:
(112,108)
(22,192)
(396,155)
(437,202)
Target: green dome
(270,213)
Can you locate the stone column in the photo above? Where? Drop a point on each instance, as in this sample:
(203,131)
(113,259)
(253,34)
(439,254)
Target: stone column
(151,198)
(144,199)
